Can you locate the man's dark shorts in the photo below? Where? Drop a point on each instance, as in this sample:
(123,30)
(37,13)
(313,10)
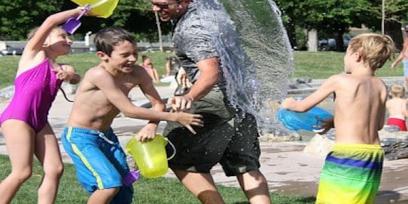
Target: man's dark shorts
(231,141)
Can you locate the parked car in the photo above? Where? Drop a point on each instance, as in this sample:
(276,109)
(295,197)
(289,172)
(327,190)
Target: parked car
(12,51)
(330,43)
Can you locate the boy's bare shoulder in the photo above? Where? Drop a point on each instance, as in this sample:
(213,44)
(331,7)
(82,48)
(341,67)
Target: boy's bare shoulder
(337,78)
(96,72)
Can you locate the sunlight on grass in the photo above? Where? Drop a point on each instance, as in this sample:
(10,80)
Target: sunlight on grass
(147,191)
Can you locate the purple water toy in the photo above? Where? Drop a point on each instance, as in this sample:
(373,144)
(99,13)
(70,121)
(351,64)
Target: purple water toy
(131,177)
(73,23)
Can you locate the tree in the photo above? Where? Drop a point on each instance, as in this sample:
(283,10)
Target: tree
(20,16)
(333,17)
(396,12)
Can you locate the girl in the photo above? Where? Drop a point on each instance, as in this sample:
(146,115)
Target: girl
(24,122)
(148,65)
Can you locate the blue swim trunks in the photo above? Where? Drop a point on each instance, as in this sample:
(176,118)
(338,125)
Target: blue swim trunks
(99,160)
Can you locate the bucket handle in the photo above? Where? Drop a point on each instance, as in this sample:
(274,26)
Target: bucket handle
(172,146)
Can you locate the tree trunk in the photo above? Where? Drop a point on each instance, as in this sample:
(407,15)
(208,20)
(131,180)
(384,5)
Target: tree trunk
(393,29)
(291,31)
(159,31)
(339,41)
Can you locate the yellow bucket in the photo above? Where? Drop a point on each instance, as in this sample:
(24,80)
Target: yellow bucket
(99,8)
(150,157)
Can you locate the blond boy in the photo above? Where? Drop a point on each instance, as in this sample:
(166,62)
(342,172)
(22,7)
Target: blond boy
(352,170)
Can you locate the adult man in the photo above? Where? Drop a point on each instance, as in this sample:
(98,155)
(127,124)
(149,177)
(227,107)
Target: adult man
(224,138)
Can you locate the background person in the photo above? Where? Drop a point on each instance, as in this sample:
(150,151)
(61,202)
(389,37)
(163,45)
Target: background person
(397,107)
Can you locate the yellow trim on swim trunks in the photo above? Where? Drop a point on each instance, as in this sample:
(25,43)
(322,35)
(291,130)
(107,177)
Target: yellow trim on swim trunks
(85,161)
(342,146)
(69,134)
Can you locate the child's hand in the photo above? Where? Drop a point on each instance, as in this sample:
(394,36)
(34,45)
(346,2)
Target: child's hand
(63,75)
(68,76)
(187,119)
(180,103)
(288,102)
(147,133)
(85,9)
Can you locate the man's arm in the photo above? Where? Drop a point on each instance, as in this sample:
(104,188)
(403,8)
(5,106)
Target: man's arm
(209,76)
(316,97)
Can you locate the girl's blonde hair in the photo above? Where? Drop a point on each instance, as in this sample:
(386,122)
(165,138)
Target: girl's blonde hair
(375,49)
(397,91)
(34,30)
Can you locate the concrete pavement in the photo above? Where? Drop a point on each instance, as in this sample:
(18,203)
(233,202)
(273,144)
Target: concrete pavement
(287,168)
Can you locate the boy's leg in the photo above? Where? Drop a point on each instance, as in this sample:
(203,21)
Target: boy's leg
(201,185)
(48,153)
(20,146)
(255,186)
(95,171)
(117,156)
(102,196)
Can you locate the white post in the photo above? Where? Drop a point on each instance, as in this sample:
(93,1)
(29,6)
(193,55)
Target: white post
(86,39)
(312,40)
(383,17)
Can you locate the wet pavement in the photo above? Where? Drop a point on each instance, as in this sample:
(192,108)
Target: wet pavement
(287,168)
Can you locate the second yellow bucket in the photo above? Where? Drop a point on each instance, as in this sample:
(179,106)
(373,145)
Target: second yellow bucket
(99,8)
(150,157)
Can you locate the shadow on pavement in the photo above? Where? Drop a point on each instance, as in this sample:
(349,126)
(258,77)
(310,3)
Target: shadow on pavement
(386,197)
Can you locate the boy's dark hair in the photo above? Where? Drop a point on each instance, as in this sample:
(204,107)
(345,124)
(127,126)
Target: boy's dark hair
(107,38)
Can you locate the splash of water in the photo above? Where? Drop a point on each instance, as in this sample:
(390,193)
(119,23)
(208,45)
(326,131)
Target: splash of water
(255,54)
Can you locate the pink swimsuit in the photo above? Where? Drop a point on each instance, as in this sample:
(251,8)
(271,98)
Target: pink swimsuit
(34,92)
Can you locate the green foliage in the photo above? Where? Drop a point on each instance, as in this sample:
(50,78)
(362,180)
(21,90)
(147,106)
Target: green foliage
(18,17)
(328,16)
(335,17)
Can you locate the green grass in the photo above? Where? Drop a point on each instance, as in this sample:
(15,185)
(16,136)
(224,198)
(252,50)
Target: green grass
(162,190)
(316,65)
(321,65)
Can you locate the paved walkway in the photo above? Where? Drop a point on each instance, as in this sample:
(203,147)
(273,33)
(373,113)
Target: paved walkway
(287,168)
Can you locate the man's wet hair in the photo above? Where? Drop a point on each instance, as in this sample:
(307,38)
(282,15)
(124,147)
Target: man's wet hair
(107,38)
